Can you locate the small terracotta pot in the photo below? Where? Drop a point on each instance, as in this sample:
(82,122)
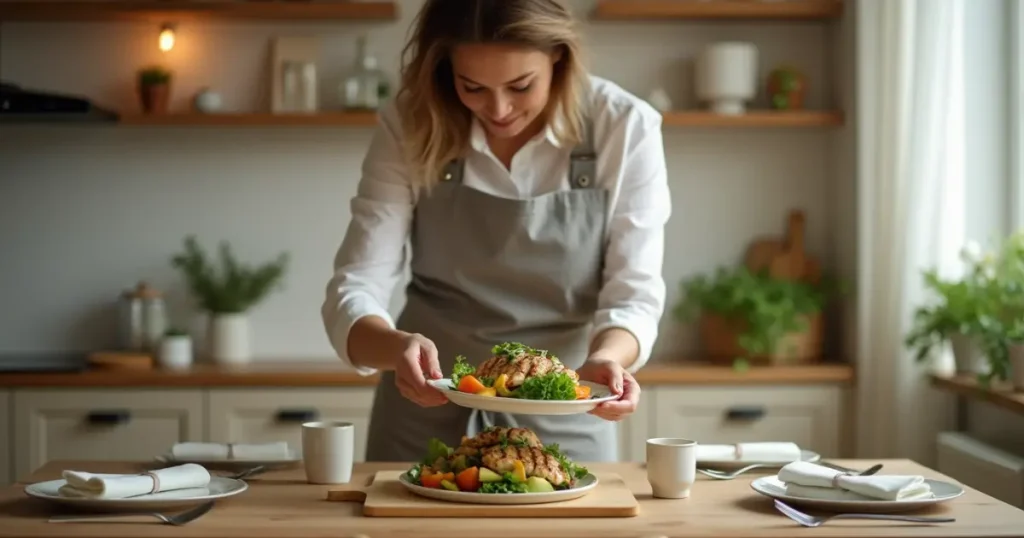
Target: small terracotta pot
(155,98)
(787,89)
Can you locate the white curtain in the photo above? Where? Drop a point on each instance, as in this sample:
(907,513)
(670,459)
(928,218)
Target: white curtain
(911,212)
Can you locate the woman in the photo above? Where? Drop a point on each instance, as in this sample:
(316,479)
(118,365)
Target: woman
(534,199)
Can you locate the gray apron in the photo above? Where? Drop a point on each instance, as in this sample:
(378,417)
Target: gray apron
(486,270)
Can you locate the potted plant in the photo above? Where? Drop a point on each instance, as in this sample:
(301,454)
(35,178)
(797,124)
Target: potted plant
(954,317)
(228,295)
(175,349)
(753,317)
(787,88)
(154,87)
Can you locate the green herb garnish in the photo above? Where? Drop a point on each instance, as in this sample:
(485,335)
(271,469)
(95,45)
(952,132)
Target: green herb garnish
(550,386)
(575,471)
(460,369)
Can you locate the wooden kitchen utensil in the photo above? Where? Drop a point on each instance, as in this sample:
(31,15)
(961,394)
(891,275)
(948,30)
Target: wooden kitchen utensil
(386,497)
(791,263)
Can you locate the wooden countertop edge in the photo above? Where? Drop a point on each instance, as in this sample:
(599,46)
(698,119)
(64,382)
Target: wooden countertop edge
(1000,395)
(326,374)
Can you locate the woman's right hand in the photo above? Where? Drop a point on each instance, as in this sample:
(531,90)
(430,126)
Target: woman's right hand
(417,362)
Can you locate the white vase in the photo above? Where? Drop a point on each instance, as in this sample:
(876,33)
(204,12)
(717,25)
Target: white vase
(1016,352)
(969,357)
(229,338)
(175,352)
(726,76)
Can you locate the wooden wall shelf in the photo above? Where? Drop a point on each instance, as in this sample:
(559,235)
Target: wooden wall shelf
(618,10)
(672,119)
(160,11)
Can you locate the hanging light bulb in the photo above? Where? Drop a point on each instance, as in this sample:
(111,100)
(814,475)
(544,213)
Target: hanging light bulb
(166,38)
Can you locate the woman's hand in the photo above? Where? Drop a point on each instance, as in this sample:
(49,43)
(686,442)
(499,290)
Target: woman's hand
(416,363)
(609,372)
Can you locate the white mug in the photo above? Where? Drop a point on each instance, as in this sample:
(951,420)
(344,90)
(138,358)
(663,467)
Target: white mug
(327,449)
(671,466)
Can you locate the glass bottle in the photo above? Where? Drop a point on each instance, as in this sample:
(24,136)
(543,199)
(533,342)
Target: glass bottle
(366,87)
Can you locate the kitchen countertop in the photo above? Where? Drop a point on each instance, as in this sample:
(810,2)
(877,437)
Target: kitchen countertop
(328,373)
(281,504)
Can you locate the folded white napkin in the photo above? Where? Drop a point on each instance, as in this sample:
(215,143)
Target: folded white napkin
(121,486)
(230,451)
(805,479)
(762,451)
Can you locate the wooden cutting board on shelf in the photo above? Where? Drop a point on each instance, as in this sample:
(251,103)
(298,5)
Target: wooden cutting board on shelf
(386,497)
(785,258)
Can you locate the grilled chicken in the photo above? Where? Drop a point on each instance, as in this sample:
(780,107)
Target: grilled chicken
(520,363)
(535,460)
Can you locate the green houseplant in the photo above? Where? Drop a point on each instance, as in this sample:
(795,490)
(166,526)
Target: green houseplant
(749,316)
(228,294)
(154,87)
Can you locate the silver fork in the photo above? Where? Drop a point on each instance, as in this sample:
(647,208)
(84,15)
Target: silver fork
(808,520)
(176,519)
(722,475)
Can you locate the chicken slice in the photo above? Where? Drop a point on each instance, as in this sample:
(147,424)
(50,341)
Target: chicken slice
(519,367)
(535,460)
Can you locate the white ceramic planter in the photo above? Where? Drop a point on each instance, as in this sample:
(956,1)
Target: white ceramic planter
(969,357)
(175,352)
(1017,366)
(229,338)
(726,76)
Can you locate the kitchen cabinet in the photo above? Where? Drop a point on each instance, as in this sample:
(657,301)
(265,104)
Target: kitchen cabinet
(6,463)
(982,465)
(141,423)
(93,424)
(265,415)
(809,416)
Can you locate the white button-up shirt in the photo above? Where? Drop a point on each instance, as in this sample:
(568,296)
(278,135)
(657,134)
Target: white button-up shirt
(630,165)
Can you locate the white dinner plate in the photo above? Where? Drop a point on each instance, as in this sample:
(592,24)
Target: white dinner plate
(498,404)
(770,486)
(294,458)
(582,487)
(218,488)
(725,465)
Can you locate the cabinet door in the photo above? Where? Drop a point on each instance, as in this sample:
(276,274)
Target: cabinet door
(6,439)
(807,416)
(102,424)
(259,415)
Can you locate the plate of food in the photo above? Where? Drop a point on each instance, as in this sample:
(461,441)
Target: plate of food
(498,466)
(521,380)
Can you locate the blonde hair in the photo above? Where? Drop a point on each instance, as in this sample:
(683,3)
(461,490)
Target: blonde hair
(435,123)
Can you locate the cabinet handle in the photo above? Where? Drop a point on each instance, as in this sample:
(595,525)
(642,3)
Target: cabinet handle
(745,413)
(109,417)
(297,415)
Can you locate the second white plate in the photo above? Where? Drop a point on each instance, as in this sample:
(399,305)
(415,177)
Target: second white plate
(234,464)
(218,488)
(583,486)
(498,404)
(770,486)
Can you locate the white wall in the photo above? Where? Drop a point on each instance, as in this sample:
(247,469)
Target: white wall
(86,211)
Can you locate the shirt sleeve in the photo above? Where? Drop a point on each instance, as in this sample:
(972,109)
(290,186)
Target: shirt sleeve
(633,294)
(372,256)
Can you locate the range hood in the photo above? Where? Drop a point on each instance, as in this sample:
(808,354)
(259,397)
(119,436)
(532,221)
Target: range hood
(20,105)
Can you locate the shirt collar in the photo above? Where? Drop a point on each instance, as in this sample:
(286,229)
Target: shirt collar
(478,136)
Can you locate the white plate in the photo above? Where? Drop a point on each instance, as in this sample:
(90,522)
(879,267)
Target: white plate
(725,465)
(583,486)
(218,488)
(770,486)
(234,464)
(498,404)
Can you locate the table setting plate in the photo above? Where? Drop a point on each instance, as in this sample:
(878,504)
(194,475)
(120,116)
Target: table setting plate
(943,492)
(218,488)
(583,486)
(498,404)
(235,464)
(727,465)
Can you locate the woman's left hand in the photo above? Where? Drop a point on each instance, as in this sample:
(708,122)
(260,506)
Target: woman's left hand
(610,373)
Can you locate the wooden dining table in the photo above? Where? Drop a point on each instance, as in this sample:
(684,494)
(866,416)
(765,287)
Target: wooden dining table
(281,504)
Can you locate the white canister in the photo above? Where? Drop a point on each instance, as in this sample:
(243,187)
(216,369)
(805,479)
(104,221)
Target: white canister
(726,76)
(175,351)
(229,338)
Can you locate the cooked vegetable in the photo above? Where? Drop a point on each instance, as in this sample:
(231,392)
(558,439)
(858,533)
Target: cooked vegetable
(516,370)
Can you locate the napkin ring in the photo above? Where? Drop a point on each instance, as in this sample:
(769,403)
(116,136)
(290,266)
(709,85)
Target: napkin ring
(837,476)
(739,451)
(156,480)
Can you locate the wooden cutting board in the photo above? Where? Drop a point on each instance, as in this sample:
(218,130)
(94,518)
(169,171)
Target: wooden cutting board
(386,497)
